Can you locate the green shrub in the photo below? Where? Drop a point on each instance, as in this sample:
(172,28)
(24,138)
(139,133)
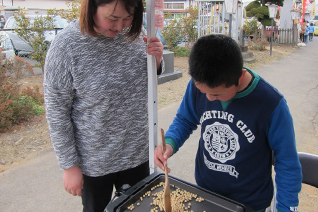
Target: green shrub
(258,44)
(15,109)
(181,51)
(172,34)
(16,104)
(189,26)
(250,28)
(22,107)
(34,93)
(38,110)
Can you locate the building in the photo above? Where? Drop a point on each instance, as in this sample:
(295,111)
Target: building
(35,4)
(177,8)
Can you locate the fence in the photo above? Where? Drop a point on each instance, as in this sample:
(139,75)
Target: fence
(285,36)
(282,36)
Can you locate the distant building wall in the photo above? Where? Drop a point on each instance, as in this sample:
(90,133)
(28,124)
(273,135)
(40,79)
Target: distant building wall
(35,4)
(172,6)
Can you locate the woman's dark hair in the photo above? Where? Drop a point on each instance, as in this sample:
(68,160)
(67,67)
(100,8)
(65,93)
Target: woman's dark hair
(89,9)
(216,60)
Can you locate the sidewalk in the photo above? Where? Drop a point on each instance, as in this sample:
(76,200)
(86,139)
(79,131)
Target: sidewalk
(37,186)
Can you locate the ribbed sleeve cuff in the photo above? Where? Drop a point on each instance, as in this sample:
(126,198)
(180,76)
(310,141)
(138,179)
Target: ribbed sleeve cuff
(172,143)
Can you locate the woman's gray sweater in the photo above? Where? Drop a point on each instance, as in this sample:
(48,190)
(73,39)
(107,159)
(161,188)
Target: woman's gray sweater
(95,91)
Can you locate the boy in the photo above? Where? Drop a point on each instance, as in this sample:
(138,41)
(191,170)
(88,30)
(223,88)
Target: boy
(243,121)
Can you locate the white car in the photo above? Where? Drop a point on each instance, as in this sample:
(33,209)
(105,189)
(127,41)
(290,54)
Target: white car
(20,45)
(6,47)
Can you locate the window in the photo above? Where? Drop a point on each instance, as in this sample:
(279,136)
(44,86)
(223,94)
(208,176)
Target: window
(179,6)
(168,5)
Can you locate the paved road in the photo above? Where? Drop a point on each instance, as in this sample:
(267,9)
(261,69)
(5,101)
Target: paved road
(37,186)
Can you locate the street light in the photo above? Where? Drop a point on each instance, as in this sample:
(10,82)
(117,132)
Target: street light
(272,14)
(294,16)
(231,7)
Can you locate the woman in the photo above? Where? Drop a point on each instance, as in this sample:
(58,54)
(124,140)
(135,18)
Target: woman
(95,86)
(302,32)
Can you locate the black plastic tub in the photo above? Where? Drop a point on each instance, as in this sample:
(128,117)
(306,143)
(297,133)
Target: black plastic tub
(212,201)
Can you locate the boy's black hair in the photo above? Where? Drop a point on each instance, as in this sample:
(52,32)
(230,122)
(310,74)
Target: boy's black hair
(216,60)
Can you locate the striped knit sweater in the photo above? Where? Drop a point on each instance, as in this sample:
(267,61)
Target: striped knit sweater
(95,91)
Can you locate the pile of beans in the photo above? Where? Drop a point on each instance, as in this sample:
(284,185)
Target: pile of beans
(180,199)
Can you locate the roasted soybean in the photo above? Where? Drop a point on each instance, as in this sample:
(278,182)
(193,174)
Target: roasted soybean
(180,199)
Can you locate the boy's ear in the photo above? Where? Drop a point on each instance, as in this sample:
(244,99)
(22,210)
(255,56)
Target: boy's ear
(242,76)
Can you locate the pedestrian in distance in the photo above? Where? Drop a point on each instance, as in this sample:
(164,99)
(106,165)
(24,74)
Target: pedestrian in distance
(302,32)
(311,32)
(306,35)
(95,87)
(244,122)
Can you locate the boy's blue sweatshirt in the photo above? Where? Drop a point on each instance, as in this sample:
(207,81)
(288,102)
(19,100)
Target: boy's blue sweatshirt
(234,156)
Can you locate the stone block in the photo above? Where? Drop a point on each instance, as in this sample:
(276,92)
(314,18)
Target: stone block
(170,73)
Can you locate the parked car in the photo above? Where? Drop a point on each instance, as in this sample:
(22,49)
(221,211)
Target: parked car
(6,46)
(21,46)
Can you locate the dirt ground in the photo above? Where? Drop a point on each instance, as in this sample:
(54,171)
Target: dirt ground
(26,141)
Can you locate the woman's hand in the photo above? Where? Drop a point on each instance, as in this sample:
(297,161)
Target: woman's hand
(155,47)
(160,158)
(73,181)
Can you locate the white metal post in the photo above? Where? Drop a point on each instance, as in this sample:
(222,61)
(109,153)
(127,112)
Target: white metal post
(223,18)
(230,25)
(272,37)
(152,88)
(199,20)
